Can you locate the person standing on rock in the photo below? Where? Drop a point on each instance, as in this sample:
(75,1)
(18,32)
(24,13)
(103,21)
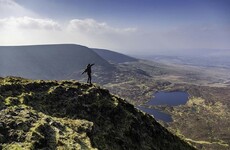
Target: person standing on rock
(88,71)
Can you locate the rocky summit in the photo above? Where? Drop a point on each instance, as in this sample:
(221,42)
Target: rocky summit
(49,115)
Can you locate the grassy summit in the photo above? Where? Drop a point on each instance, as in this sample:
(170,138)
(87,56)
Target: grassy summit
(37,114)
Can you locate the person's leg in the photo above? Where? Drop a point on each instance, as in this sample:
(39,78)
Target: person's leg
(90,78)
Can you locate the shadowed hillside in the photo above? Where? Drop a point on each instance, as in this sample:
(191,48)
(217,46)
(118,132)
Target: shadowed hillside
(114,57)
(47,61)
(67,114)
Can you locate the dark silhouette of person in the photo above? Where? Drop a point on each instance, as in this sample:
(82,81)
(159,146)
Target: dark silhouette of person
(88,71)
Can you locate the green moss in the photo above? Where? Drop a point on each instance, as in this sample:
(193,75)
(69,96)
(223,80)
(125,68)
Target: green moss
(71,115)
(12,101)
(1,102)
(13,146)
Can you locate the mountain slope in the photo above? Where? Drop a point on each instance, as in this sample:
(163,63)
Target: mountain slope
(47,61)
(114,57)
(67,114)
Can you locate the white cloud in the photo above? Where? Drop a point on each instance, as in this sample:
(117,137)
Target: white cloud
(91,33)
(19,25)
(92,26)
(29,23)
(27,30)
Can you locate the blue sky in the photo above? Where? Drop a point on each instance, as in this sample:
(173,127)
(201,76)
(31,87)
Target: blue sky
(122,25)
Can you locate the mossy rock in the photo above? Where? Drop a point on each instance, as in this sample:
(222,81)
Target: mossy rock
(12,101)
(71,115)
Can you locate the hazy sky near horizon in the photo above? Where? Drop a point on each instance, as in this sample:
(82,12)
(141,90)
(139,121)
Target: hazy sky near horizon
(124,25)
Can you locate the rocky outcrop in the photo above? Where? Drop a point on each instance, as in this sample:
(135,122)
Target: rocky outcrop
(37,114)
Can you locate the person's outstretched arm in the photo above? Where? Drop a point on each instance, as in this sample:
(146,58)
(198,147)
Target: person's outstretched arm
(91,65)
(84,71)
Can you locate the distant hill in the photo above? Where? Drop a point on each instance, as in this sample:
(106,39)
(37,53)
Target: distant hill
(114,57)
(70,115)
(47,61)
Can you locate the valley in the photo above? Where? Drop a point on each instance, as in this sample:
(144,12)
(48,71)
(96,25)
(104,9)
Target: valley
(203,121)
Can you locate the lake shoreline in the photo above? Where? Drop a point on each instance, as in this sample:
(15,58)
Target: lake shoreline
(164,99)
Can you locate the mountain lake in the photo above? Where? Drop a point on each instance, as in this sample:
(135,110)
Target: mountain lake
(165,98)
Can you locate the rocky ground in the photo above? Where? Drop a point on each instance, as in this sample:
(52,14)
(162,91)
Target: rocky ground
(205,117)
(70,115)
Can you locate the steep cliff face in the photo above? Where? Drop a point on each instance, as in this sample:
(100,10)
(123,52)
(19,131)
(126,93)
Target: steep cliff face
(37,114)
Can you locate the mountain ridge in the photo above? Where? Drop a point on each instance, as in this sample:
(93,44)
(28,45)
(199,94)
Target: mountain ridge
(114,57)
(47,61)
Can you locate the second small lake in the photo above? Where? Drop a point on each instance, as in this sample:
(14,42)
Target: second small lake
(158,115)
